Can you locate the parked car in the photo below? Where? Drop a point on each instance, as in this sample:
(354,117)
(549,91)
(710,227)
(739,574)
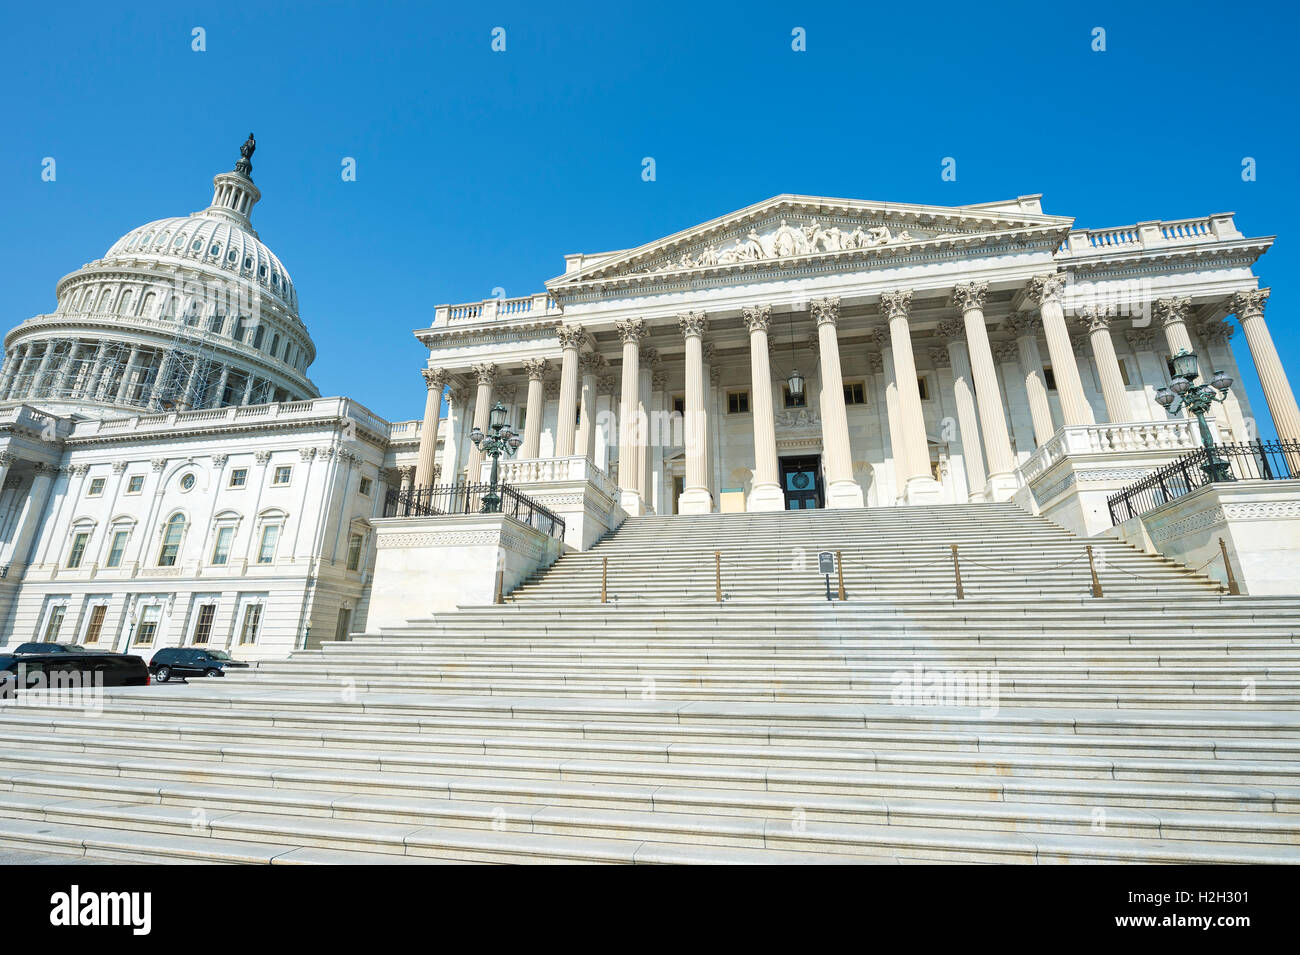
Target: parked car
(65,669)
(191,661)
(39,647)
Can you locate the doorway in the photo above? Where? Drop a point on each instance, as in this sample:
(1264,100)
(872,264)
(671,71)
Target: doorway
(801,482)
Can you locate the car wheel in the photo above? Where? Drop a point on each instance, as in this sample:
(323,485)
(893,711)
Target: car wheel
(213,672)
(164,674)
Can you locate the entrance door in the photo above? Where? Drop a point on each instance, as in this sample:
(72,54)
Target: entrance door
(801,481)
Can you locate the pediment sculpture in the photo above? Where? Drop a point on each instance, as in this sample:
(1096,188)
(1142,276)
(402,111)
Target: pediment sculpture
(785,241)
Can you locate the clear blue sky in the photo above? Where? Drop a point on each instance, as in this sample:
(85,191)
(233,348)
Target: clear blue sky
(479,169)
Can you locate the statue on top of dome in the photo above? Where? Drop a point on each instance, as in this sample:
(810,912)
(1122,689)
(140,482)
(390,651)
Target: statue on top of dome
(245,165)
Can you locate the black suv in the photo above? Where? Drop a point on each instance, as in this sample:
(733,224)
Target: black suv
(19,672)
(190,661)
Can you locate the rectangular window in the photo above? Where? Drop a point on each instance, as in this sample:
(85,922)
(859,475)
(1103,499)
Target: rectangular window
(221,549)
(737,402)
(95,626)
(266,549)
(795,401)
(239,477)
(252,622)
(171,544)
(365,486)
(679,404)
(55,623)
(96,487)
(78,551)
(923,386)
(855,393)
(344,625)
(148,625)
(203,625)
(282,474)
(135,484)
(118,548)
(354,552)
(1049,379)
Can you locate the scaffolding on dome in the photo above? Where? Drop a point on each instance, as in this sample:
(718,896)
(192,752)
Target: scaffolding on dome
(188,369)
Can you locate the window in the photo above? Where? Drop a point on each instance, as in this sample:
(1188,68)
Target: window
(95,625)
(203,625)
(55,623)
(923,386)
(855,393)
(1123,372)
(187,482)
(252,621)
(344,625)
(282,474)
(1049,379)
(135,484)
(96,487)
(365,486)
(258,336)
(679,404)
(354,552)
(737,402)
(266,549)
(171,544)
(78,551)
(796,401)
(147,628)
(221,549)
(118,548)
(239,477)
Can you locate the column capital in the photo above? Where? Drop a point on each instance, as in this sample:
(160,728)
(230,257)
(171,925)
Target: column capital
(551,389)
(1215,330)
(693,323)
(1095,318)
(1022,324)
(607,384)
(571,336)
(880,338)
(969,295)
(710,352)
(1006,352)
(486,373)
(659,380)
(455,397)
(435,379)
(535,368)
(1140,339)
(876,362)
(896,304)
(1046,288)
(592,362)
(939,357)
(508,392)
(951,330)
(648,355)
(1248,304)
(757,317)
(825,310)
(1172,311)
(631,330)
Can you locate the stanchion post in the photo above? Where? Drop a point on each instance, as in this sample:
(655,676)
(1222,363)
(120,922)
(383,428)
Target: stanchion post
(500,594)
(717,576)
(1092,567)
(839,567)
(956,570)
(1227,564)
(604,579)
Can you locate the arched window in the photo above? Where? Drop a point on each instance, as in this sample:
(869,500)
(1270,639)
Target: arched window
(104,300)
(258,336)
(147,307)
(275,345)
(171,541)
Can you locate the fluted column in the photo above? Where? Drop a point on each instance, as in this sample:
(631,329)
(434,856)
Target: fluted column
(765,489)
(160,381)
(837,456)
(919,485)
(7,373)
(661,438)
(695,497)
(15,373)
(1046,291)
(435,380)
(65,369)
(893,418)
(248,389)
(572,338)
(222,380)
(1249,307)
(1025,327)
(1216,339)
(1096,320)
(486,375)
(449,466)
(591,362)
(610,387)
(124,387)
(93,385)
(646,361)
(712,381)
(535,369)
(967,419)
(631,331)
(969,300)
(41,370)
(1172,315)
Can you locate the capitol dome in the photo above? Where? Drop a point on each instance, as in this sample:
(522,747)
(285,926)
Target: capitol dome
(181,313)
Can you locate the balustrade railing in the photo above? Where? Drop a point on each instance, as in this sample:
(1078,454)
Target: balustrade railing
(452,499)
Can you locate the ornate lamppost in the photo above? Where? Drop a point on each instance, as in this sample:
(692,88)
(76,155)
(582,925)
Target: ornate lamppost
(1198,399)
(501,440)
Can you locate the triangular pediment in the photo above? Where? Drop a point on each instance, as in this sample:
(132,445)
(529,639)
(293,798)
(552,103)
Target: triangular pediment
(790,230)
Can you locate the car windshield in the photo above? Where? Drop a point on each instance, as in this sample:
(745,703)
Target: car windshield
(219,654)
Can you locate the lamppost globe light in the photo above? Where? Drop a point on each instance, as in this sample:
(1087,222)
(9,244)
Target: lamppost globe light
(1178,385)
(795,383)
(476,435)
(1164,397)
(514,441)
(1221,380)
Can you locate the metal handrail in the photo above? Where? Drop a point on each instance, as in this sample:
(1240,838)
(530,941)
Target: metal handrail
(437,500)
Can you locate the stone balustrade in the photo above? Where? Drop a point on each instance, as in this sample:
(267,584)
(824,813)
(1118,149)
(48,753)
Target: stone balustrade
(1145,235)
(1178,435)
(492,309)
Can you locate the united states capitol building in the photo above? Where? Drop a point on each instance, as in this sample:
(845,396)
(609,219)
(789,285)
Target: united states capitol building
(171,474)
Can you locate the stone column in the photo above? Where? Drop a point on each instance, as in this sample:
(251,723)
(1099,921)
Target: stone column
(93,385)
(450,463)
(1172,315)
(646,361)
(695,497)
(837,457)
(631,331)
(435,380)
(7,373)
(967,421)
(572,338)
(407,477)
(221,387)
(248,389)
(969,300)
(32,515)
(661,436)
(893,415)
(15,373)
(1096,319)
(1216,339)
(65,368)
(486,375)
(609,387)
(919,485)
(1025,328)
(712,379)
(187,402)
(592,362)
(35,390)
(159,382)
(765,489)
(1249,307)
(1046,291)
(124,386)
(535,369)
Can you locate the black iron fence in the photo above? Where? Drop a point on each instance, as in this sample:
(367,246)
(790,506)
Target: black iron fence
(1260,460)
(439,499)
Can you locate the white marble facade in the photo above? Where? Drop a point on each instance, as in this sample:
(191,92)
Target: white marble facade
(942,346)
